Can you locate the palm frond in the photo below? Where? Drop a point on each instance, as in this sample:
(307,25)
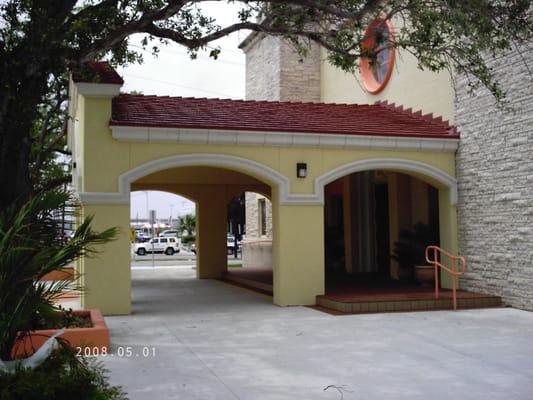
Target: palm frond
(31,246)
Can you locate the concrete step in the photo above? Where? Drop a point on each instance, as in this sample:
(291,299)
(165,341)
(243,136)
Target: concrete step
(240,280)
(406,305)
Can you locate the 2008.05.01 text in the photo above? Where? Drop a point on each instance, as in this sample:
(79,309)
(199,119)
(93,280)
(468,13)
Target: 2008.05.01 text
(119,351)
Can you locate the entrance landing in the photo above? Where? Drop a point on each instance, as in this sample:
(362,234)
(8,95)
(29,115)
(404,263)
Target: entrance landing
(350,297)
(259,279)
(403,298)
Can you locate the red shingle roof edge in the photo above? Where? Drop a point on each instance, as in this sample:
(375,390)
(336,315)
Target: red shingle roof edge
(381,119)
(97,72)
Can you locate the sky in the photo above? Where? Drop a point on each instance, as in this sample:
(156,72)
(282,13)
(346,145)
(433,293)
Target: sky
(173,73)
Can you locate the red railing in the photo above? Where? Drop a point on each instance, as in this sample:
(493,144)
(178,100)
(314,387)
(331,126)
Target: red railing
(453,271)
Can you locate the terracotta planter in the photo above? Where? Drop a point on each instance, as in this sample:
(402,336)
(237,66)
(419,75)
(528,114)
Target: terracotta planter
(405,274)
(66,274)
(425,274)
(96,338)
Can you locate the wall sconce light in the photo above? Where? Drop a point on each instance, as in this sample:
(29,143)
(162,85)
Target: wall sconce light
(301,170)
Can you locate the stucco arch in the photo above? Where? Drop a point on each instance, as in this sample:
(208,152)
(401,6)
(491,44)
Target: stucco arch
(424,171)
(239,164)
(181,194)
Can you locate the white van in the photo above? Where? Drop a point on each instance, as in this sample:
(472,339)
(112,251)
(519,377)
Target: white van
(169,233)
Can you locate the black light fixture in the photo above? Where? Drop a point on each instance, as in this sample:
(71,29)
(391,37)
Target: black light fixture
(301,170)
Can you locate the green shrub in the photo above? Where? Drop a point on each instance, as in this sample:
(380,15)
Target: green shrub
(61,376)
(186,239)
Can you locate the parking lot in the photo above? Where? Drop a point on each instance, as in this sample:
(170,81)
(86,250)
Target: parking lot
(185,258)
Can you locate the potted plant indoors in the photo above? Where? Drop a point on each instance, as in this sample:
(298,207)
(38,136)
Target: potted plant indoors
(409,252)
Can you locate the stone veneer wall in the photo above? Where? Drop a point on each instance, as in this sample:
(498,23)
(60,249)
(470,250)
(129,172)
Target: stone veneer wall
(263,68)
(252,216)
(299,76)
(495,174)
(275,71)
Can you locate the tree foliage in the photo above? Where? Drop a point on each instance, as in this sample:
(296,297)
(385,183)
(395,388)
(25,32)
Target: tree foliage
(31,246)
(186,224)
(41,40)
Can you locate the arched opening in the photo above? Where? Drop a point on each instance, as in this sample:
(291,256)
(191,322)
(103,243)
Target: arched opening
(162,230)
(217,193)
(377,223)
(250,223)
(370,206)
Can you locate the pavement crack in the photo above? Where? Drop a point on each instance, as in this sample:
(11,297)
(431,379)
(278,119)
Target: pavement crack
(218,378)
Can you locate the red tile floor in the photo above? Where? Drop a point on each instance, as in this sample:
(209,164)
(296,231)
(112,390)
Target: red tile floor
(356,294)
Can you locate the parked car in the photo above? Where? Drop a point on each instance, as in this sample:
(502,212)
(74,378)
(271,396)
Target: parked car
(169,233)
(167,245)
(141,237)
(231,244)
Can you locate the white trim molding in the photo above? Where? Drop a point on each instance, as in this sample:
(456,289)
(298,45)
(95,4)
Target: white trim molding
(269,175)
(285,139)
(98,89)
(238,164)
(390,164)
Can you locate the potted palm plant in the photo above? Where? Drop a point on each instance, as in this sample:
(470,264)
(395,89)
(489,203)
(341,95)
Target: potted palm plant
(409,252)
(31,247)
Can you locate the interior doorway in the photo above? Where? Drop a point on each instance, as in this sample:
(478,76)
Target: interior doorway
(366,215)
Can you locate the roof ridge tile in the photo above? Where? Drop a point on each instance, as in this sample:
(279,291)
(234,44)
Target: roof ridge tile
(418,115)
(381,118)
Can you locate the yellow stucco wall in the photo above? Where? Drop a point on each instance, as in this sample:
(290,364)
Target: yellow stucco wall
(106,275)
(298,253)
(298,229)
(408,86)
(105,158)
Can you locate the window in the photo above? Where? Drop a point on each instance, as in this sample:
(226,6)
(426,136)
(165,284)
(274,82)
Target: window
(261,205)
(163,240)
(155,241)
(172,240)
(376,67)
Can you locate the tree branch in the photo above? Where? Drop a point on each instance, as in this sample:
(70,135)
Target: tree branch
(56,183)
(256,27)
(138,26)
(146,24)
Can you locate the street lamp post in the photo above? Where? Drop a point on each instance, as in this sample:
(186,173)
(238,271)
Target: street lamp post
(170,218)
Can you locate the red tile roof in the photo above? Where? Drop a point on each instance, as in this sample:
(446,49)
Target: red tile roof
(379,119)
(97,72)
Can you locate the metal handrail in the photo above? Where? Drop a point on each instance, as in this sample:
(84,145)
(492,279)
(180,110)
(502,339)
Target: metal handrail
(453,271)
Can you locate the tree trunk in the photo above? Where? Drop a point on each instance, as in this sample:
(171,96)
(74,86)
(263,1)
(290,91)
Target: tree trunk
(25,67)
(20,102)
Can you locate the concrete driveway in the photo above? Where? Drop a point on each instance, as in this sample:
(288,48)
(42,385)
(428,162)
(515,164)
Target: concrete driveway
(216,341)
